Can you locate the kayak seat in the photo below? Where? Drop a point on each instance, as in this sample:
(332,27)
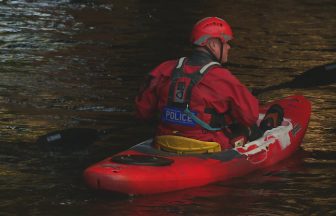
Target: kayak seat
(185,145)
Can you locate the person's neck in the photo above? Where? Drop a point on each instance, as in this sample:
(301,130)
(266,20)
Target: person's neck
(200,56)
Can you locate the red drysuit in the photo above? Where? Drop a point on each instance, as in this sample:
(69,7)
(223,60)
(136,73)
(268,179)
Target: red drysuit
(218,98)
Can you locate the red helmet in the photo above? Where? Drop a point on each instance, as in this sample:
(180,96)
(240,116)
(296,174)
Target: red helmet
(210,27)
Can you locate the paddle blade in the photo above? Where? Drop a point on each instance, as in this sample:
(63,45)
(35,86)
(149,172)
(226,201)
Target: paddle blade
(317,76)
(71,139)
(321,75)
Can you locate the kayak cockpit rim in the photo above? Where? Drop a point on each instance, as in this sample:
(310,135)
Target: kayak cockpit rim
(280,133)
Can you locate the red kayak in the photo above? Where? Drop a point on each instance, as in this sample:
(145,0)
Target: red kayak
(144,169)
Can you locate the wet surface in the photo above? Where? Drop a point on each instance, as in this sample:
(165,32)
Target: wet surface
(79,63)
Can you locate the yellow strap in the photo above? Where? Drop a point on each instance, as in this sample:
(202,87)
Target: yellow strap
(184,145)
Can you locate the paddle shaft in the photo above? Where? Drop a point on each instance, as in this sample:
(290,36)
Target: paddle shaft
(77,138)
(72,139)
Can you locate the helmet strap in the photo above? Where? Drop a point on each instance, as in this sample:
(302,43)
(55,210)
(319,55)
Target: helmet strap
(221,52)
(213,55)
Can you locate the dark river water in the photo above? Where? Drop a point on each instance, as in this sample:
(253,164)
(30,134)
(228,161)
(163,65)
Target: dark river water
(72,63)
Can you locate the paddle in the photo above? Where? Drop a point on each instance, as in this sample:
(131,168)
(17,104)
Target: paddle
(73,139)
(317,76)
(70,139)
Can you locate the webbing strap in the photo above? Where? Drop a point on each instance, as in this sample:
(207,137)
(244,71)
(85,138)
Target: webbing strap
(177,73)
(180,62)
(205,67)
(199,121)
(194,79)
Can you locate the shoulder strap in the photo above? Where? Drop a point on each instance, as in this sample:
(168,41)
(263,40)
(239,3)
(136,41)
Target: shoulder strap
(180,62)
(205,67)
(197,77)
(178,70)
(176,74)
(194,79)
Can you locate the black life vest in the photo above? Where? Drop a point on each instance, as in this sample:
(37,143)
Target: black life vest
(178,107)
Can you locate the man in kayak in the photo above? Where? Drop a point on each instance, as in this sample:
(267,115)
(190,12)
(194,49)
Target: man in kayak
(197,97)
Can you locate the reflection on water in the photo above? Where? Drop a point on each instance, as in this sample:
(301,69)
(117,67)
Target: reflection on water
(78,63)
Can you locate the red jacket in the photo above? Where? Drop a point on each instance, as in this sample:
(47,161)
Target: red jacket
(218,90)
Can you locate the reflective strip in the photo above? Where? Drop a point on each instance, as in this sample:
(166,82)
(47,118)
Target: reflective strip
(205,67)
(202,39)
(227,37)
(180,62)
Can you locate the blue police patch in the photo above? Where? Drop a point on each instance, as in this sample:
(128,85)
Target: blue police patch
(176,116)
